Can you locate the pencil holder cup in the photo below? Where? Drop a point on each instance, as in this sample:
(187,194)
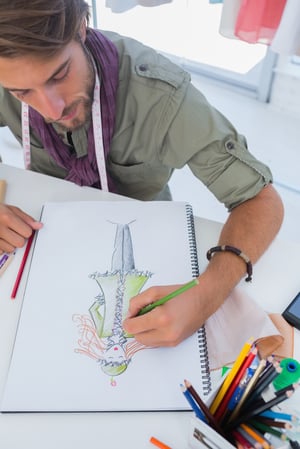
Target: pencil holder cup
(202,436)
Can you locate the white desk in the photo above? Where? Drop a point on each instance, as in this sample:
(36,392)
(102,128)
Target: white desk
(276,281)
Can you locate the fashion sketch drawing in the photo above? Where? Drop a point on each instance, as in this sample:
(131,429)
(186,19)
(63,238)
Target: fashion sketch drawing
(101,335)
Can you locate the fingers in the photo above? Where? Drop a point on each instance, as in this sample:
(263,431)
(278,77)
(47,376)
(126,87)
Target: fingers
(152,329)
(167,324)
(15,227)
(149,296)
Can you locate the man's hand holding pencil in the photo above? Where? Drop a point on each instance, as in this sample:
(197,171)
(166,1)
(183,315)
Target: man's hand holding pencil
(164,315)
(15,228)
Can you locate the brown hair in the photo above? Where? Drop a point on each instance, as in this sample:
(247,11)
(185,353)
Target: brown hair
(40,27)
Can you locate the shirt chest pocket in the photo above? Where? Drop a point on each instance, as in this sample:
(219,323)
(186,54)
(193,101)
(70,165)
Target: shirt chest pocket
(141,180)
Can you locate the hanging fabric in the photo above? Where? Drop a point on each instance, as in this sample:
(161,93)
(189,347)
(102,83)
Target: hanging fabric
(118,6)
(229,15)
(287,38)
(258,20)
(152,2)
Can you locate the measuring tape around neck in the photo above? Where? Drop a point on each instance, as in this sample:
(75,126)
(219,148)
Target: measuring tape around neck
(25,134)
(98,137)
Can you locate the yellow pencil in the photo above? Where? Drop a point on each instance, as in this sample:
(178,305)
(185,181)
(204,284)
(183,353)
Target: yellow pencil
(227,382)
(248,390)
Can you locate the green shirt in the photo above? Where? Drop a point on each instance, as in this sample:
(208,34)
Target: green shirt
(162,123)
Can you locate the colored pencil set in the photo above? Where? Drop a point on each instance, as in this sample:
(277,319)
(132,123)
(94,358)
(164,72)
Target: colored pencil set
(242,410)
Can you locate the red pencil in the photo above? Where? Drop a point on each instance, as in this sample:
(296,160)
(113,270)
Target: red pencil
(223,405)
(22,266)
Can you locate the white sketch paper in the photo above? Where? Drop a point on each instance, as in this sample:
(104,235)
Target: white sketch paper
(71,352)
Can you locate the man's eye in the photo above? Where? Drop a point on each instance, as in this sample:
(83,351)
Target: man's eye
(61,76)
(19,93)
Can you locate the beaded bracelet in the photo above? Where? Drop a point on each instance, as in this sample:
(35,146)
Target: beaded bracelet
(238,252)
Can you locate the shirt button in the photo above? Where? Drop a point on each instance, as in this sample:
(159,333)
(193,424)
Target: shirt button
(143,67)
(229,145)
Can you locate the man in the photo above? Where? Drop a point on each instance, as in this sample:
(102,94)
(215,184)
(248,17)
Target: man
(152,121)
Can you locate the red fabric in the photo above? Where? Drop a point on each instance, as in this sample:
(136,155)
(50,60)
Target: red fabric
(258,20)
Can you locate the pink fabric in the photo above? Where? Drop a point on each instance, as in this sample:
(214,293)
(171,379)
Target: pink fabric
(258,20)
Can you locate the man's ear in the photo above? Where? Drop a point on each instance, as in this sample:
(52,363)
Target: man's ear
(82,31)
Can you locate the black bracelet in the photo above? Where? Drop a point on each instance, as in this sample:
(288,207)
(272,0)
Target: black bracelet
(238,252)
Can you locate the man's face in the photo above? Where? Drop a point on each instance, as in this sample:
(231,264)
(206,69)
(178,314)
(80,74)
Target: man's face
(60,88)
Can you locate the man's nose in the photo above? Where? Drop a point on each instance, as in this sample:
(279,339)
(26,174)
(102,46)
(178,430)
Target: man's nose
(50,104)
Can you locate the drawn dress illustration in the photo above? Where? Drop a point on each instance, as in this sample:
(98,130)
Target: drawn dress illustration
(102,336)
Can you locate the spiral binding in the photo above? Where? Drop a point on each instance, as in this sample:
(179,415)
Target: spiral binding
(202,341)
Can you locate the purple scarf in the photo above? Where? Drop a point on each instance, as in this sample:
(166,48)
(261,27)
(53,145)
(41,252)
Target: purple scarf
(83,170)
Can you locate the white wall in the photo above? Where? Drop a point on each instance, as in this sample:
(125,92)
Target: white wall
(285,94)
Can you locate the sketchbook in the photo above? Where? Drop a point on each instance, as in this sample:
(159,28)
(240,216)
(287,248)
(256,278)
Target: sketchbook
(71,353)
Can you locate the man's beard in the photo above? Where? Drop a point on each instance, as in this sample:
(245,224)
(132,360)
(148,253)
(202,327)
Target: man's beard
(86,104)
(85,101)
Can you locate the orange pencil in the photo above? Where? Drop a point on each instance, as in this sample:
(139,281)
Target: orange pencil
(158,443)
(263,441)
(22,266)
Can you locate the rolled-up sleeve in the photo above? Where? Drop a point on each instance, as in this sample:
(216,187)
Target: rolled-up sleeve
(203,138)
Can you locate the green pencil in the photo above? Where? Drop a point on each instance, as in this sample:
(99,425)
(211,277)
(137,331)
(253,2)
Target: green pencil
(171,295)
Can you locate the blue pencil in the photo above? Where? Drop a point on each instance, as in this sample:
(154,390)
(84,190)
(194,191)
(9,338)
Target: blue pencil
(238,392)
(278,415)
(192,403)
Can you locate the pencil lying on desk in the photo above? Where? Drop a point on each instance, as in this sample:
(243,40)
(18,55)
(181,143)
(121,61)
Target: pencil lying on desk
(22,266)
(159,443)
(2,190)
(5,260)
